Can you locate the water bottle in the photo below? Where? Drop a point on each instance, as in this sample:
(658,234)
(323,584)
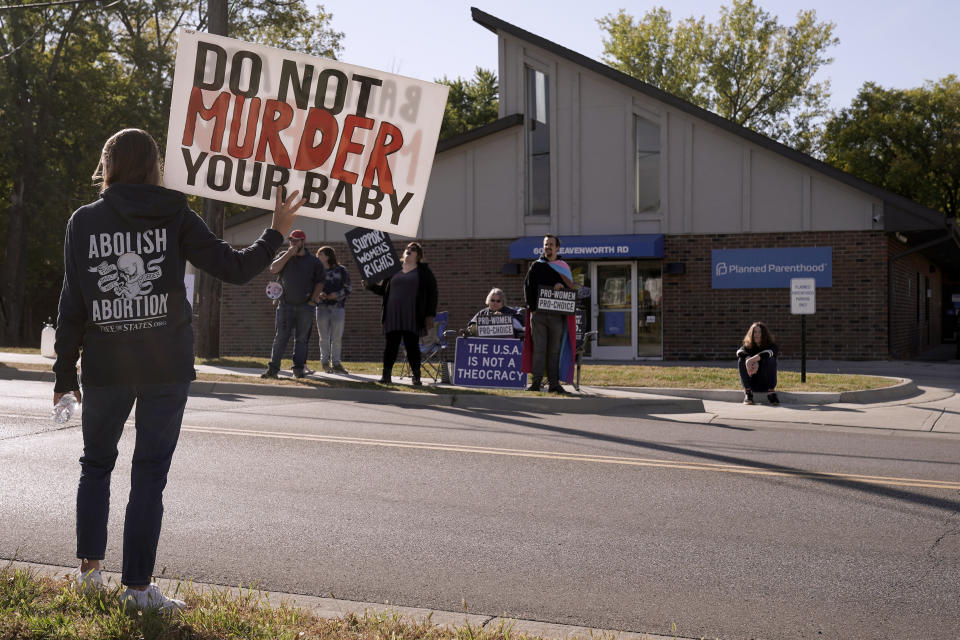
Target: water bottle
(47,339)
(64,409)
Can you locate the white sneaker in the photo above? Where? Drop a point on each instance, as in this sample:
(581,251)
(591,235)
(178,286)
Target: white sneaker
(90,579)
(152,598)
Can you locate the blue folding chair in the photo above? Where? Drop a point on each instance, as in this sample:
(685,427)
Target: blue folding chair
(433,348)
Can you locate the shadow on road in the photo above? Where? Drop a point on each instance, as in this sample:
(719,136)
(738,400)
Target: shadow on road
(950,506)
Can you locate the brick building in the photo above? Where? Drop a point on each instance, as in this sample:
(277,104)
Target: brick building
(685,226)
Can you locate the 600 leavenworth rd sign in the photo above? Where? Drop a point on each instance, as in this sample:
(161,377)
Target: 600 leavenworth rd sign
(246,120)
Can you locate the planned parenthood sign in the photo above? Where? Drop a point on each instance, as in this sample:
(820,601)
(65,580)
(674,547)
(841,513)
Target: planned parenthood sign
(770,268)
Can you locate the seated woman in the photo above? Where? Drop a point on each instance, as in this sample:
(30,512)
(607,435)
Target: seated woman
(757,362)
(496,306)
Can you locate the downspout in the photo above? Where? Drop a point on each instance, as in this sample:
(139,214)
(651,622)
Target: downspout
(951,234)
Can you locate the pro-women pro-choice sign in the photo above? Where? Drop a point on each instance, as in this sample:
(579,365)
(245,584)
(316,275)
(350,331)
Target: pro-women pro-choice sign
(246,119)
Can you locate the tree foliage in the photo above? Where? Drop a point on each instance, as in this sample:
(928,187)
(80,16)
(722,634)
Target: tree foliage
(470,103)
(904,140)
(747,67)
(71,75)
(286,25)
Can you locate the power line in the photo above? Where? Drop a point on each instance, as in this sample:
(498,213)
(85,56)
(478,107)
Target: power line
(11,7)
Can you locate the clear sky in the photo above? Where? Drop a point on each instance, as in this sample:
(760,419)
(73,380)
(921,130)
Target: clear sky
(893,43)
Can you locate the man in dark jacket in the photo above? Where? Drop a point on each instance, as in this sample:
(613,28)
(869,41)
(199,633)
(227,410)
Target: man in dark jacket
(301,274)
(124,304)
(547,328)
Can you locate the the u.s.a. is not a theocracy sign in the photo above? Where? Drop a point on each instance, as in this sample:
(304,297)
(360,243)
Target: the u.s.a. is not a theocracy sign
(246,119)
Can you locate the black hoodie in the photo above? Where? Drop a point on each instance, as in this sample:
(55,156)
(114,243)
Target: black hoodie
(123,302)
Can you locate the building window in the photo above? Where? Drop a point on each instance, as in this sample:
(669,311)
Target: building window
(918,297)
(646,165)
(538,143)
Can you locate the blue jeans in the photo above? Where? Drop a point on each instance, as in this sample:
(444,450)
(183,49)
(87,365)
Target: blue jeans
(330,327)
(296,319)
(765,379)
(158,417)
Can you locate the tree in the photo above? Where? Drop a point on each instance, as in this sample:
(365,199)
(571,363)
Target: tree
(287,25)
(470,103)
(747,67)
(904,140)
(71,74)
(209,289)
(50,75)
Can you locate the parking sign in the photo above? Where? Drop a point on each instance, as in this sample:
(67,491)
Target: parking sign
(803,296)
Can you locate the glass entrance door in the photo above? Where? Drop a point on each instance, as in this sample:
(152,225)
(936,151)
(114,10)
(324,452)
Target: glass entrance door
(614,310)
(649,313)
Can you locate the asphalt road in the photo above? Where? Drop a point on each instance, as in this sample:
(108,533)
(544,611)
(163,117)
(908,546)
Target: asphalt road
(625,522)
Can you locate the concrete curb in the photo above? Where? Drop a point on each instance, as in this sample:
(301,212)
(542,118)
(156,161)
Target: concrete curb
(333,608)
(573,404)
(904,389)
(12,373)
(638,400)
(646,403)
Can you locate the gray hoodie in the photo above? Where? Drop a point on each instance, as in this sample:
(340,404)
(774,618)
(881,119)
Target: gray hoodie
(123,305)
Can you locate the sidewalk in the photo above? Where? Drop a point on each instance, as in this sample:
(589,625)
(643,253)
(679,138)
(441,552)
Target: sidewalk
(927,397)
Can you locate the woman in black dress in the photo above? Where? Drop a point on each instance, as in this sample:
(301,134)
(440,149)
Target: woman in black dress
(409,307)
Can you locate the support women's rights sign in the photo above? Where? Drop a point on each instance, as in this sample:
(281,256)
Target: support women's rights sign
(373,252)
(246,119)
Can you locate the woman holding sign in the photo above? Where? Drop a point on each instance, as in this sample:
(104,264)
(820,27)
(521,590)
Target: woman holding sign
(124,303)
(409,307)
(497,307)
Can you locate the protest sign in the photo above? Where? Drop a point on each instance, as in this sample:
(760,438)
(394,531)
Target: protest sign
(491,326)
(374,253)
(557,300)
(489,362)
(246,119)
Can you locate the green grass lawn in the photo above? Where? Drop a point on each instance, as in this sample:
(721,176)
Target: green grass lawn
(37,607)
(635,375)
(693,377)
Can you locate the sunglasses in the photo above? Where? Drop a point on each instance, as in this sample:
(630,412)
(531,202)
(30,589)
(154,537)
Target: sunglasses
(495,300)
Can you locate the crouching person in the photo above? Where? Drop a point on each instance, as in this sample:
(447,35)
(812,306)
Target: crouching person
(757,362)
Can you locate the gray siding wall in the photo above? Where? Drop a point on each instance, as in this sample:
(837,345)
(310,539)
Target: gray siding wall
(711,180)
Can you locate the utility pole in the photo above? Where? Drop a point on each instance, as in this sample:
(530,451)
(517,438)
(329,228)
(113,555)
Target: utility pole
(209,288)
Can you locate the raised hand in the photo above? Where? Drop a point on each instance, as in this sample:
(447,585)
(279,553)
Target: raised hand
(285,211)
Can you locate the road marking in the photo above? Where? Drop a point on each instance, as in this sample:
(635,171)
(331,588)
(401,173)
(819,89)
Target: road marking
(582,457)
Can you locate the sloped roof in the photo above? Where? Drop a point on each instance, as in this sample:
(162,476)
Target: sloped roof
(900,213)
(480,132)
